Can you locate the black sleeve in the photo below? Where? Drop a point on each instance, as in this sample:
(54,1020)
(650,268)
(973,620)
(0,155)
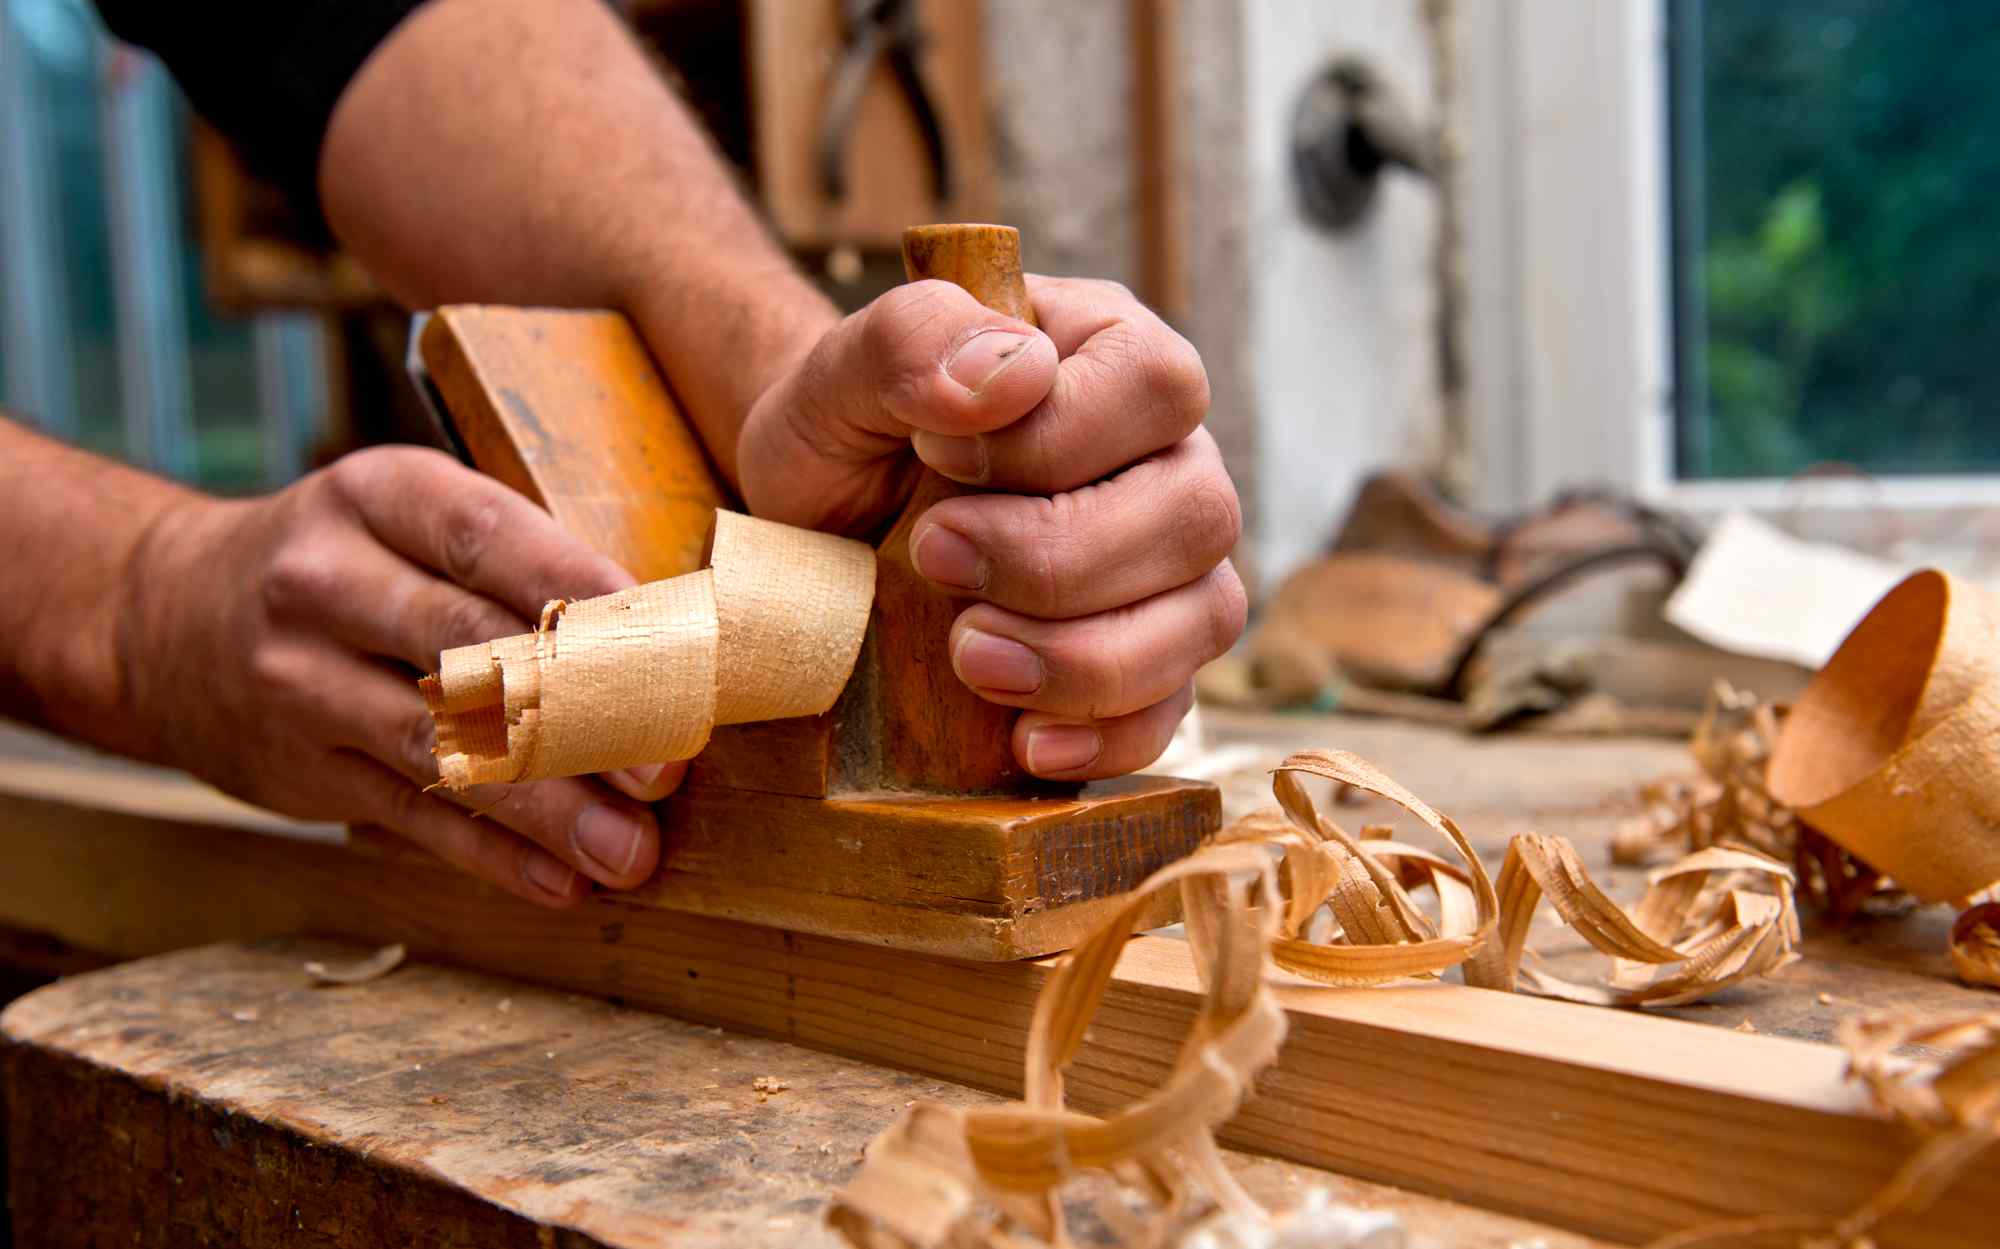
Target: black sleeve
(266,73)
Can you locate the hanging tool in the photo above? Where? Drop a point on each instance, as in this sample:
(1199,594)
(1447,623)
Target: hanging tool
(875,31)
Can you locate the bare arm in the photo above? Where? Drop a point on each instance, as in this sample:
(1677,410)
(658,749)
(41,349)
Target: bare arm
(268,645)
(75,526)
(524,151)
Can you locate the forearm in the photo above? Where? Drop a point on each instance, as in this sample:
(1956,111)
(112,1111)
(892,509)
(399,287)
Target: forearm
(77,525)
(524,151)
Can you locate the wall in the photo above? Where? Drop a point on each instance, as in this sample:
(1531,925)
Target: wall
(1321,349)
(1343,339)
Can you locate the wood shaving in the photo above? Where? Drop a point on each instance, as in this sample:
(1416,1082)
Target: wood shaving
(766,1086)
(769,631)
(1725,803)
(1952,1106)
(1975,945)
(1718,917)
(1290,888)
(360,971)
(1890,749)
(1728,802)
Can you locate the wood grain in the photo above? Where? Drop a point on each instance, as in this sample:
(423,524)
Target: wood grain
(568,408)
(459,1108)
(925,730)
(1614,1124)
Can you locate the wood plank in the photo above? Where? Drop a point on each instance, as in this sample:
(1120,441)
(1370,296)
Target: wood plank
(436,1104)
(1613,1124)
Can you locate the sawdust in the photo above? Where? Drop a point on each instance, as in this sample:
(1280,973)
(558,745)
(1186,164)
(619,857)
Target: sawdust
(767,1087)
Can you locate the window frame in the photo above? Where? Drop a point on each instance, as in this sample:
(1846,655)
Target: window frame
(1571,306)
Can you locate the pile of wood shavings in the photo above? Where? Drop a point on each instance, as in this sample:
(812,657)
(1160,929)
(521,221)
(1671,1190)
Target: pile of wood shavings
(1727,805)
(1291,888)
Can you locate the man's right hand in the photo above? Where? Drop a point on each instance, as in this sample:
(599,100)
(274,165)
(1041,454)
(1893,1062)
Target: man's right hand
(271,644)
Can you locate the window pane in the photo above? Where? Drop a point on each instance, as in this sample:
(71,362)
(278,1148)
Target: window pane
(1837,274)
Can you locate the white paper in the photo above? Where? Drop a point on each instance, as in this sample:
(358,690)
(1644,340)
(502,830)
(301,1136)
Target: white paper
(1757,590)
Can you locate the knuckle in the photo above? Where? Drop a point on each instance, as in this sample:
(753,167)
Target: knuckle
(1190,380)
(897,324)
(415,739)
(354,478)
(1210,520)
(402,803)
(1228,610)
(1117,680)
(469,526)
(1179,381)
(276,672)
(302,578)
(465,620)
(1041,543)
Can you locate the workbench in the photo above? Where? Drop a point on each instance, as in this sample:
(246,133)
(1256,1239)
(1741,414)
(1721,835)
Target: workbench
(214,1097)
(213,1086)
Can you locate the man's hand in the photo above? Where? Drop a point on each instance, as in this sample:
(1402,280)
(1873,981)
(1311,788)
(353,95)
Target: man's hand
(1101,556)
(272,645)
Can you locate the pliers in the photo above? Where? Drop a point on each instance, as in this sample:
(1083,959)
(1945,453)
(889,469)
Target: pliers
(874,30)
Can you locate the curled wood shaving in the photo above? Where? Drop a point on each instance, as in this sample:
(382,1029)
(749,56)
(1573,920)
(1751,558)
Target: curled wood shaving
(360,971)
(1716,918)
(771,629)
(1975,945)
(948,1176)
(1294,887)
(1953,1106)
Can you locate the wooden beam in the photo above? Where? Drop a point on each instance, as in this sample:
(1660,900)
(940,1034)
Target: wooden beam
(1614,1124)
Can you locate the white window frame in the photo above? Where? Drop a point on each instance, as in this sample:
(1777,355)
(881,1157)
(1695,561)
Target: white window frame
(1569,320)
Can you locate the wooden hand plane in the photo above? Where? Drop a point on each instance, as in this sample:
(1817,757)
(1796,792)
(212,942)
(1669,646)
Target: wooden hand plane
(899,817)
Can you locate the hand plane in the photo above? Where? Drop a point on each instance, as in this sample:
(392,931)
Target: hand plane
(899,817)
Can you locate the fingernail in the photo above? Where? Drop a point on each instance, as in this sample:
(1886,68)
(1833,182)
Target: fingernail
(609,838)
(959,458)
(1062,748)
(984,357)
(550,876)
(646,775)
(949,558)
(986,662)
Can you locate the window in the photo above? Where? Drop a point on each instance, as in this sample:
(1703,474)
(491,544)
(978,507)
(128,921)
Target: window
(1836,274)
(105,337)
(1716,248)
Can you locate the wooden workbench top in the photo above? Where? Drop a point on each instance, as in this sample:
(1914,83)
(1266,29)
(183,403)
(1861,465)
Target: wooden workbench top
(214,1096)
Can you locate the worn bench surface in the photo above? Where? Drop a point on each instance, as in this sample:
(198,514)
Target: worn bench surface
(214,1097)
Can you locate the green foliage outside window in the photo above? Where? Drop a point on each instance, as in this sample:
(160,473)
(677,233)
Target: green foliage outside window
(1837,171)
